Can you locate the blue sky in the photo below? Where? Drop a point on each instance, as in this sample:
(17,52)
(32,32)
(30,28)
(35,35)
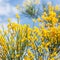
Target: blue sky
(8,10)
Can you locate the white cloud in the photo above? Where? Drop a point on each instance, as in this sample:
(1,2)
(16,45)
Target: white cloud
(1,1)
(6,9)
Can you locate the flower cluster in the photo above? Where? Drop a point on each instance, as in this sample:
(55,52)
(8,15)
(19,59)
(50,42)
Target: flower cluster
(20,42)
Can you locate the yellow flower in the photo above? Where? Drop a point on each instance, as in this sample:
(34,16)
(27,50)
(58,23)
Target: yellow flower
(45,14)
(9,19)
(5,32)
(52,59)
(17,16)
(56,7)
(0,30)
(54,20)
(43,17)
(17,6)
(47,49)
(54,53)
(30,53)
(27,58)
(52,13)
(17,55)
(47,44)
(23,39)
(39,20)
(40,58)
